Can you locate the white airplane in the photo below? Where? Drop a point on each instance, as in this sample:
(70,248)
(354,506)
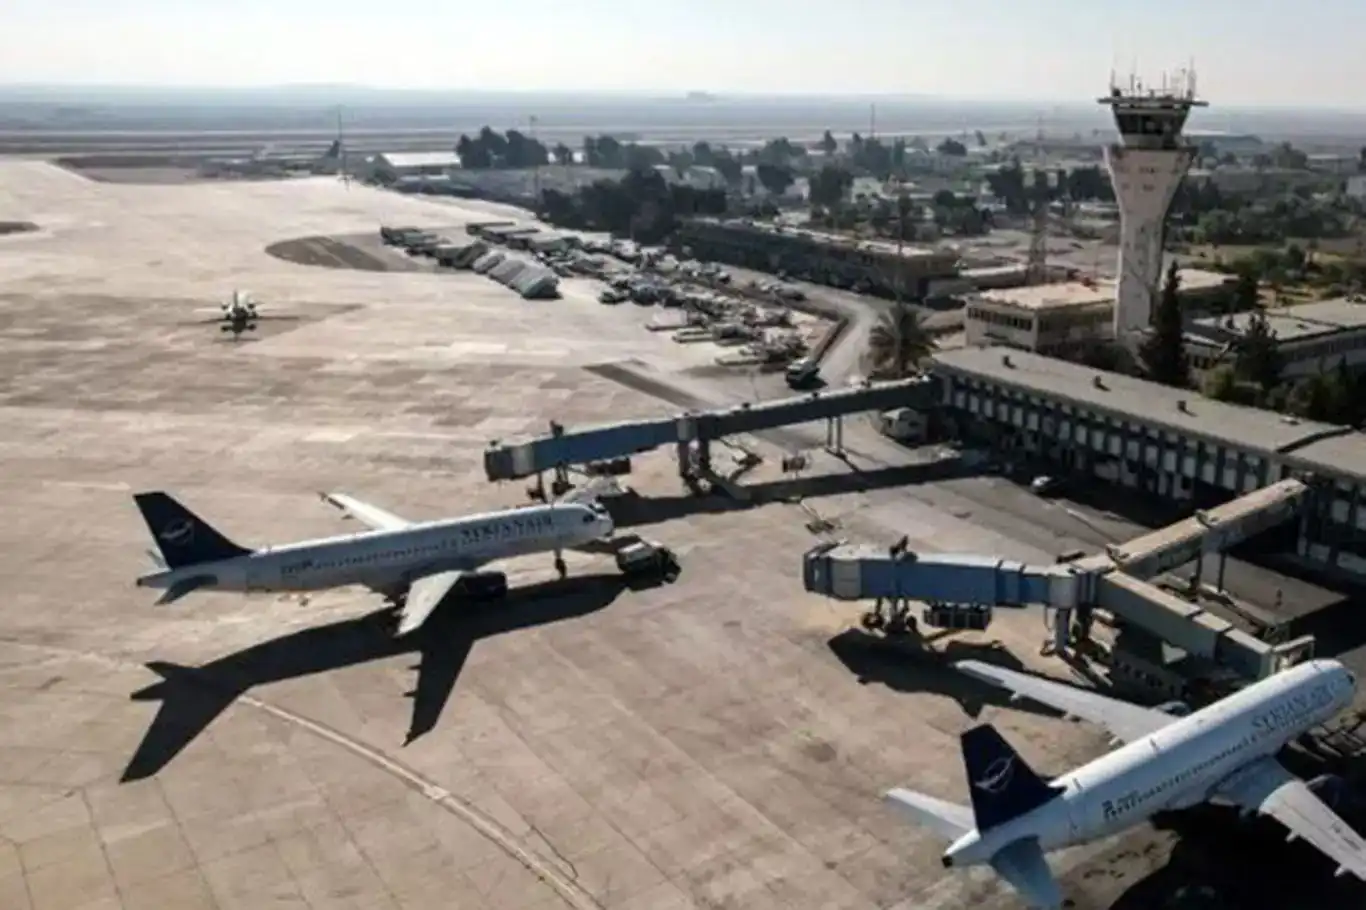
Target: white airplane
(1225,753)
(415,565)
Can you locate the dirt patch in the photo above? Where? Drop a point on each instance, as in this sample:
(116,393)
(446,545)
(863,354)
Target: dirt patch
(333,253)
(17,227)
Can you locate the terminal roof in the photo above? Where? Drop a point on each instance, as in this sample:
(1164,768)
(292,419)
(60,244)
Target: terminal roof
(1306,444)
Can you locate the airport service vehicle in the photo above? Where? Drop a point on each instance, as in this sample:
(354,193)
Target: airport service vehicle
(803,374)
(1172,759)
(415,565)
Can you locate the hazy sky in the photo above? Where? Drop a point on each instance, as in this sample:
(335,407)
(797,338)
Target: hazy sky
(1246,51)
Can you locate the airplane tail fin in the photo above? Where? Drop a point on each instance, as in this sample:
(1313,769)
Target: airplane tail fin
(1003,786)
(183,538)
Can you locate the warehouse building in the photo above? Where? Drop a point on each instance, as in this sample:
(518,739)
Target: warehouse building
(1067,318)
(875,266)
(1311,337)
(1163,441)
(388,167)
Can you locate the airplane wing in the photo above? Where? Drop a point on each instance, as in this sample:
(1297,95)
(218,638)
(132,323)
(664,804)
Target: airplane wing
(1023,865)
(1123,720)
(373,517)
(1266,787)
(425,595)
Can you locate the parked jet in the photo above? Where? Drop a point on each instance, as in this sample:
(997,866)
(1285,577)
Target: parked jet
(415,565)
(1225,753)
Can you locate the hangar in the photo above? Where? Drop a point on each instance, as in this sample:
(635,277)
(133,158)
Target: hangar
(1164,441)
(388,167)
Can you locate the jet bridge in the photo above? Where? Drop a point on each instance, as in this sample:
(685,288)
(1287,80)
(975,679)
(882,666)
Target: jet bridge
(1113,581)
(693,433)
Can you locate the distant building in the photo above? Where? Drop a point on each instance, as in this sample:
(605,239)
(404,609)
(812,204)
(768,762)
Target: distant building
(696,176)
(392,166)
(1252,180)
(1312,337)
(1064,319)
(1219,142)
(1341,165)
(820,256)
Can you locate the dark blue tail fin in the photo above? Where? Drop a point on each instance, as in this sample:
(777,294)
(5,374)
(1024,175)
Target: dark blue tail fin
(1003,787)
(183,538)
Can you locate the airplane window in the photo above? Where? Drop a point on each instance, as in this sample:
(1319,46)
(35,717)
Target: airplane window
(588,519)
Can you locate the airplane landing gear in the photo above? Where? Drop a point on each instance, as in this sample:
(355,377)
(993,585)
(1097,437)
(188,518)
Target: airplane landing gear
(560,568)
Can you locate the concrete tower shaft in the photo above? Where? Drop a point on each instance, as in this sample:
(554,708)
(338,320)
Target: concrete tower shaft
(1146,167)
(1145,182)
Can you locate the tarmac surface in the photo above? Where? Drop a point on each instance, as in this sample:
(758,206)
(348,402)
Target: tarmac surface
(720,742)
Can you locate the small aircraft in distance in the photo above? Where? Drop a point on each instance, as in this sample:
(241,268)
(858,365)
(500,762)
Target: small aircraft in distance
(239,315)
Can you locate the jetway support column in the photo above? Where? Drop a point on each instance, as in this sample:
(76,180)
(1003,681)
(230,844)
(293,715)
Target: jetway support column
(834,435)
(684,452)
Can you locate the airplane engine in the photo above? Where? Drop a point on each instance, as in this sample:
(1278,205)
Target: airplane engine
(483,585)
(1175,708)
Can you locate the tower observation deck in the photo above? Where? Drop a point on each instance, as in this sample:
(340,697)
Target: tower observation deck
(1146,166)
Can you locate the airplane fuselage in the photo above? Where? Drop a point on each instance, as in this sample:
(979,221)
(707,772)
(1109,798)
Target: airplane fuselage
(1175,767)
(391,558)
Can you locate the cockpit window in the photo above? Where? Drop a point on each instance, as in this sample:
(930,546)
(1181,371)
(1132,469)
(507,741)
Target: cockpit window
(589,519)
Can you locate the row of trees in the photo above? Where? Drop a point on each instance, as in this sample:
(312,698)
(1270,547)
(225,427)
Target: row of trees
(1019,190)
(642,205)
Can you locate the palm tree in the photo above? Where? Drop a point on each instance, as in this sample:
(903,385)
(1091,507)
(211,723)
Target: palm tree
(898,343)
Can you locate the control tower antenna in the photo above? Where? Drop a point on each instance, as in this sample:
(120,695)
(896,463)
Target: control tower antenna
(1146,164)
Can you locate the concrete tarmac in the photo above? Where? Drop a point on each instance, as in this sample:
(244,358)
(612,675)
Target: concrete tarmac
(718,742)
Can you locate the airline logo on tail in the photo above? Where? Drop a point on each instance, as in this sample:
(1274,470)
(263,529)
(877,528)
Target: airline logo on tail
(997,776)
(178,533)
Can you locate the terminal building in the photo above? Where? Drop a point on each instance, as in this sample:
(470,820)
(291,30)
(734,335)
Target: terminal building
(1065,319)
(1311,337)
(875,266)
(1162,441)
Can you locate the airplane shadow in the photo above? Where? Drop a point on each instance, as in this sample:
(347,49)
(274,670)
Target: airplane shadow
(1221,863)
(907,666)
(636,511)
(192,697)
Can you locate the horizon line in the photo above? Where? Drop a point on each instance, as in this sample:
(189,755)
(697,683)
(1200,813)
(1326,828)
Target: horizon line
(699,96)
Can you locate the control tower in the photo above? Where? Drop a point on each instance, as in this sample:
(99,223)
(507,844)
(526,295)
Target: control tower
(1146,166)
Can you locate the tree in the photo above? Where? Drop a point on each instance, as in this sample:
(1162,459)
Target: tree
(777,179)
(1162,352)
(829,146)
(563,154)
(1245,295)
(952,147)
(1221,383)
(473,154)
(1258,354)
(829,186)
(981,139)
(728,166)
(898,342)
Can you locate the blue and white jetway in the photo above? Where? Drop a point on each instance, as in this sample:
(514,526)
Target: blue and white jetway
(1113,581)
